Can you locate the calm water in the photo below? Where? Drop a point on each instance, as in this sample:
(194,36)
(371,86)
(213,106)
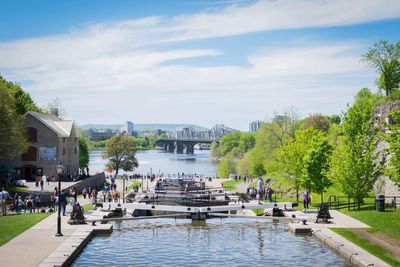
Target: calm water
(158,161)
(226,242)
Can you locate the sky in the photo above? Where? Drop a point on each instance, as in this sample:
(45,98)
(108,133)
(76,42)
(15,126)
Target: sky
(202,62)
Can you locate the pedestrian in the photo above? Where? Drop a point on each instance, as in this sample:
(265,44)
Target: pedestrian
(20,205)
(41,185)
(306,199)
(37,201)
(94,196)
(29,204)
(54,198)
(84,193)
(63,200)
(260,189)
(4,198)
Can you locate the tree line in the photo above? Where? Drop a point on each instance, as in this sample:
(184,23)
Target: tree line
(320,150)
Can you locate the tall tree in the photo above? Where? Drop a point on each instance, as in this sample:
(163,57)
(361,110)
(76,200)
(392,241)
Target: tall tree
(23,101)
(316,165)
(83,152)
(355,163)
(120,153)
(384,57)
(292,157)
(226,166)
(13,140)
(318,122)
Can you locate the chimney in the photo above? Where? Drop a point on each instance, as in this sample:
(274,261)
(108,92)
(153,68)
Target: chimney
(54,111)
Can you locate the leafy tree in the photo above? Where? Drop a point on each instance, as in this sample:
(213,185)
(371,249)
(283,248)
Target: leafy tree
(354,162)
(292,157)
(384,57)
(226,166)
(83,152)
(13,140)
(23,101)
(316,164)
(318,122)
(393,138)
(282,127)
(335,119)
(120,153)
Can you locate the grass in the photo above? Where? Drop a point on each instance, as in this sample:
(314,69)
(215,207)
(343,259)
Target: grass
(134,184)
(88,206)
(387,223)
(258,212)
(230,185)
(16,189)
(13,225)
(368,246)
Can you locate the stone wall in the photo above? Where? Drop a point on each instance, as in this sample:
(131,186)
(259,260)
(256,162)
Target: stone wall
(93,182)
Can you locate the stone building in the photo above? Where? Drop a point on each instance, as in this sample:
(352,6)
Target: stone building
(52,140)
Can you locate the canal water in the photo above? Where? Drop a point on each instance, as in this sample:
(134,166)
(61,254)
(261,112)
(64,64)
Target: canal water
(216,242)
(159,161)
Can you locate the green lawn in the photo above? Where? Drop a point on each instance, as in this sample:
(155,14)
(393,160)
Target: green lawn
(88,206)
(134,184)
(13,225)
(230,185)
(16,189)
(387,223)
(368,246)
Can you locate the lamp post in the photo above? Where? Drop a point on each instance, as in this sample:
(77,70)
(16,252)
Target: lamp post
(60,171)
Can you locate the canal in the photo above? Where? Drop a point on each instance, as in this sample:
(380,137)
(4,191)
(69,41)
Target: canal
(159,161)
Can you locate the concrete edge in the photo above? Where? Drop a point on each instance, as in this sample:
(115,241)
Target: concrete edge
(67,251)
(348,250)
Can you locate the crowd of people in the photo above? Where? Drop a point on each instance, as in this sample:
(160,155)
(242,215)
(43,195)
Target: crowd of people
(17,203)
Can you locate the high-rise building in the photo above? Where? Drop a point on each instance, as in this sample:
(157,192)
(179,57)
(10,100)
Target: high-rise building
(254,126)
(127,128)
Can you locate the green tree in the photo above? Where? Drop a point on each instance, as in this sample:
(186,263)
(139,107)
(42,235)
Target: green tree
(120,152)
(292,157)
(83,152)
(384,57)
(226,166)
(13,140)
(316,164)
(354,163)
(392,136)
(318,122)
(23,101)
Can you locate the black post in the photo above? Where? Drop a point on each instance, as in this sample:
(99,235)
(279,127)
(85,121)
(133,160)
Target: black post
(59,208)
(123,189)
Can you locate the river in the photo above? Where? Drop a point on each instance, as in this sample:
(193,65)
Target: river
(159,161)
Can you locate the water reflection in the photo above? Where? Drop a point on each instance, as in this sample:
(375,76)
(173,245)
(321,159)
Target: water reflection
(226,242)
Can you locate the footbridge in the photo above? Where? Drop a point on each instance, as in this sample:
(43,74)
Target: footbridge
(197,213)
(182,145)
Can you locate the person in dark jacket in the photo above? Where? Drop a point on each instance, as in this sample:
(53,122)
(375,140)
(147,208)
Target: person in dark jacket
(63,200)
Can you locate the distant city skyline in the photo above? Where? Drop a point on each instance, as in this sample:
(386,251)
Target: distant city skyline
(200,62)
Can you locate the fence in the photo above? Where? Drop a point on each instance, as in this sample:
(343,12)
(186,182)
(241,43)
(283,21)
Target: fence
(365,203)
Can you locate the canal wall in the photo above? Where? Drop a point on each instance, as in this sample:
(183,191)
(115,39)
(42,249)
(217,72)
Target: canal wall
(95,181)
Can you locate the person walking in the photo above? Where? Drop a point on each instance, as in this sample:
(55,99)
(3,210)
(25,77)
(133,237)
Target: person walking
(260,185)
(41,185)
(306,199)
(63,200)
(84,191)
(4,197)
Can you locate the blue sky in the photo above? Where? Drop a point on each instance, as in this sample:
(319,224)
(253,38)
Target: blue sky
(202,62)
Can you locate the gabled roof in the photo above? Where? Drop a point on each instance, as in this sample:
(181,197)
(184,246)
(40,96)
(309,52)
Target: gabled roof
(63,128)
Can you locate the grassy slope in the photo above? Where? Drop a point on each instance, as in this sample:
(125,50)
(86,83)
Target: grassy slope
(230,185)
(387,223)
(13,225)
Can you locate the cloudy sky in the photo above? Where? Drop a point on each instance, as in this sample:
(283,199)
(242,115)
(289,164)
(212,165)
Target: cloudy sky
(200,61)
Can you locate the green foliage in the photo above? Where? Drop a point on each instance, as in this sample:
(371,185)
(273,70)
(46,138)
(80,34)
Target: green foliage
(393,138)
(120,152)
(384,57)
(335,119)
(354,162)
(83,152)
(23,100)
(236,143)
(13,141)
(316,164)
(226,166)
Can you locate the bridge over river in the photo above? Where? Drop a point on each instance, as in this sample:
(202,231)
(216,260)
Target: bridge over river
(182,145)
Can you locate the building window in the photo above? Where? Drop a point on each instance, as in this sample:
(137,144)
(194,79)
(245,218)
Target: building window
(64,151)
(32,134)
(30,155)
(63,139)
(76,150)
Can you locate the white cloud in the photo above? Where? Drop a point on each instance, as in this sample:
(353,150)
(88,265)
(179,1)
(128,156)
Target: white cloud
(110,72)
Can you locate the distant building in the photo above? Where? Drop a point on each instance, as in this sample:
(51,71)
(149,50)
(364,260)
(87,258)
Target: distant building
(127,128)
(254,126)
(52,140)
(100,134)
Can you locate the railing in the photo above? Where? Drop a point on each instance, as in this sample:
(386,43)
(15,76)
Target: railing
(365,203)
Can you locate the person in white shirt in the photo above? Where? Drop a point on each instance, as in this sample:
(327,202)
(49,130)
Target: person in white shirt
(4,197)
(260,189)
